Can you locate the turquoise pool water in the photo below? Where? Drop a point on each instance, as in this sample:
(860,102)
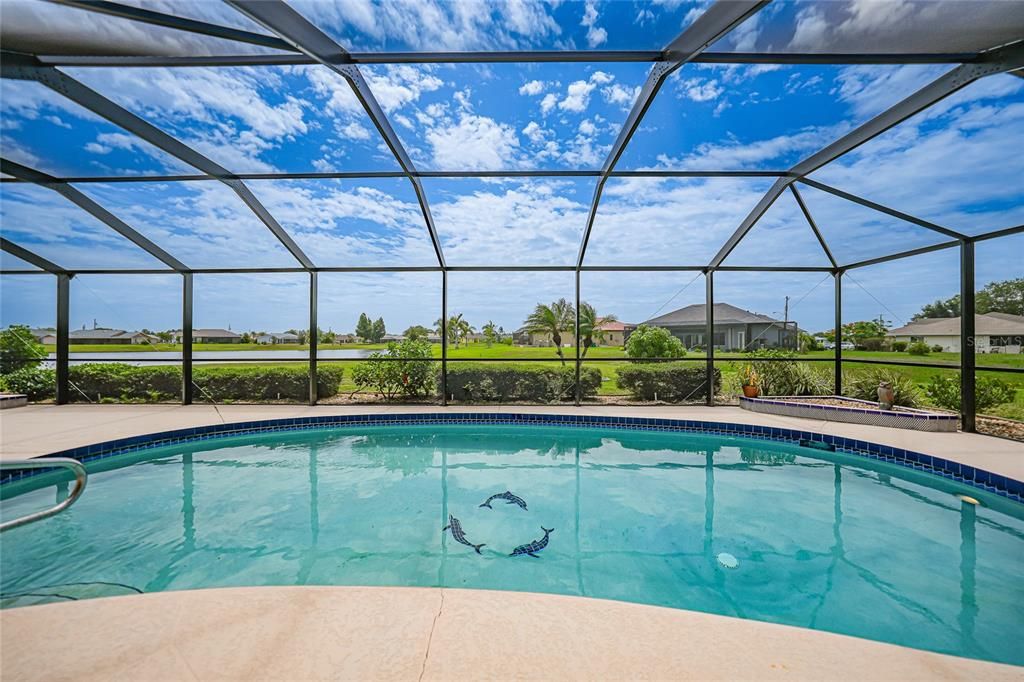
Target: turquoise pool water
(820,540)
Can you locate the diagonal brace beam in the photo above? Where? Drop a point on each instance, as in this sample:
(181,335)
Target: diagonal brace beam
(303,36)
(27,68)
(814,226)
(715,22)
(92,208)
(996,61)
(30,257)
(148,16)
(867,203)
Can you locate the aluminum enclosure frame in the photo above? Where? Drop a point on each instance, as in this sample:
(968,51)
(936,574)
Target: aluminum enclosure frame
(306,44)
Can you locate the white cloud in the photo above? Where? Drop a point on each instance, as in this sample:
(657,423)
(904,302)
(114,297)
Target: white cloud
(95,148)
(534,132)
(595,34)
(548,103)
(577,96)
(700,90)
(434,24)
(474,143)
(617,94)
(587,127)
(354,131)
(735,154)
(533,88)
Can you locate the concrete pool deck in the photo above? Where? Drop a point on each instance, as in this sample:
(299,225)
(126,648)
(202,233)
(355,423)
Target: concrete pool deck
(41,429)
(305,633)
(404,633)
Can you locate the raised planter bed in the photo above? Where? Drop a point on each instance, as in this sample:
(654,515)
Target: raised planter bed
(852,411)
(9,400)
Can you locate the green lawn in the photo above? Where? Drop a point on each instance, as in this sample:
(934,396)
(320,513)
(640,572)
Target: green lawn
(728,362)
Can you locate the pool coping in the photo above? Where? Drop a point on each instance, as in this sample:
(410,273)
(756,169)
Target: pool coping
(998,484)
(337,632)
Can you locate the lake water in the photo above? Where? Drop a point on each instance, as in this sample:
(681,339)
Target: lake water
(170,357)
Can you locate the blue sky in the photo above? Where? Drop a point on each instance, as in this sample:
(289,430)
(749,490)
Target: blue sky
(950,164)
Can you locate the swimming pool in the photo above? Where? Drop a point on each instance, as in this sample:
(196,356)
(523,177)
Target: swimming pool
(724,524)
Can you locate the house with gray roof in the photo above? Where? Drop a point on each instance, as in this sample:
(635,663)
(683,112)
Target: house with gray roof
(735,328)
(209,336)
(993,333)
(273,338)
(112,337)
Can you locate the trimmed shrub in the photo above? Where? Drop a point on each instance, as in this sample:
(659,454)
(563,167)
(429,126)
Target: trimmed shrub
(899,346)
(669,381)
(258,384)
(918,348)
(108,382)
(863,385)
(873,343)
(120,382)
(936,348)
(944,391)
(407,370)
(653,342)
(35,382)
(501,382)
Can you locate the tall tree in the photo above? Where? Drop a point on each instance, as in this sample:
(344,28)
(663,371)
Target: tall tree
(458,328)
(996,297)
(552,319)
(590,327)
(378,330)
(490,333)
(1002,297)
(417,331)
(364,328)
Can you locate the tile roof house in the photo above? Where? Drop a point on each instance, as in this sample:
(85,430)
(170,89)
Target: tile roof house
(993,333)
(735,328)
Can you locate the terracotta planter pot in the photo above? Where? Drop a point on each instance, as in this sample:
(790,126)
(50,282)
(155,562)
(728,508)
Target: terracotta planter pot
(751,391)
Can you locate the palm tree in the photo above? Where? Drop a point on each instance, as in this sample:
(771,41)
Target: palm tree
(490,331)
(590,327)
(552,319)
(458,328)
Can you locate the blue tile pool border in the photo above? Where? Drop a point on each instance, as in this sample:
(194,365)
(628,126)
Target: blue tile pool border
(962,473)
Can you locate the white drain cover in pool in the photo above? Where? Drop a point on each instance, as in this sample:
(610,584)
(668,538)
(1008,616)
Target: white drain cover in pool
(728,560)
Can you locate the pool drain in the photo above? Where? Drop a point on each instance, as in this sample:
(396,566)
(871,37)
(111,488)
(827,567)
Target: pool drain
(728,560)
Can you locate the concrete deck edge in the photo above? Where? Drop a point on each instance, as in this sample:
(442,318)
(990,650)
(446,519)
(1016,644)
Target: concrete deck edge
(310,633)
(961,472)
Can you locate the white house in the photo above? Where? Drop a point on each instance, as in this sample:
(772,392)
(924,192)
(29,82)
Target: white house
(993,333)
(275,338)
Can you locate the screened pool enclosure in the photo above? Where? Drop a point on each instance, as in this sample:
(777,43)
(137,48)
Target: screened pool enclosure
(471,157)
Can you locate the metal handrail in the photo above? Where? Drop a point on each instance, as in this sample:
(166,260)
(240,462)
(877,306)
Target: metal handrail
(76,467)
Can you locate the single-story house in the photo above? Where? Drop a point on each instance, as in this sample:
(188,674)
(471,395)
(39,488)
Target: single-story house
(109,337)
(345,338)
(613,335)
(735,328)
(209,336)
(389,338)
(272,338)
(993,333)
(45,335)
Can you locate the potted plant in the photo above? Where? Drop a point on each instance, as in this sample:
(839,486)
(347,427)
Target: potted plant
(748,380)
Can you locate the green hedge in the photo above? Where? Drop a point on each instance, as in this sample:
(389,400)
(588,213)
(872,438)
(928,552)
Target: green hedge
(285,382)
(110,381)
(504,383)
(669,381)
